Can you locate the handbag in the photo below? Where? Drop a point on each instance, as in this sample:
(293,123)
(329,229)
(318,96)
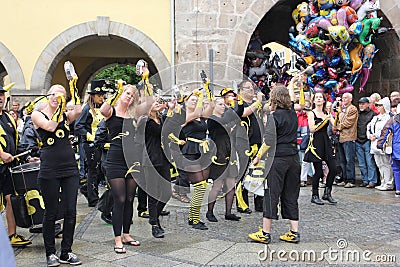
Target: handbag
(20,210)
(106,202)
(387,146)
(255,177)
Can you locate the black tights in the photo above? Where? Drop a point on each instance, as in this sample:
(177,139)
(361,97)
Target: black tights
(123,190)
(319,174)
(217,185)
(196,177)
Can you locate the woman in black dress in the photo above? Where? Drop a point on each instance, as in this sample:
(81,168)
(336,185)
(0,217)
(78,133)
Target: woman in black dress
(156,168)
(58,169)
(320,149)
(223,167)
(121,126)
(197,153)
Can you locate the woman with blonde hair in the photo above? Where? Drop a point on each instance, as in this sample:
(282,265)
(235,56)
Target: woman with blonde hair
(58,170)
(121,127)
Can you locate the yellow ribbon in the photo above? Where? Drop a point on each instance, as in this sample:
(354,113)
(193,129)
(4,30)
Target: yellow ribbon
(30,195)
(203,143)
(131,168)
(253,152)
(214,160)
(311,147)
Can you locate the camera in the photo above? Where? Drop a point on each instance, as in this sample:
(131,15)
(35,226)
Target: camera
(336,104)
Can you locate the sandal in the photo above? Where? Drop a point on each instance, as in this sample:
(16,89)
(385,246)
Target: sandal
(132,242)
(185,199)
(119,250)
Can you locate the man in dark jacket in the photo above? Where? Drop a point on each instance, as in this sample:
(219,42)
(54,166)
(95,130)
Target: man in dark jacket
(366,160)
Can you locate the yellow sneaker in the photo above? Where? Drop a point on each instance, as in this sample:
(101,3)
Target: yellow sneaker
(260,237)
(290,237)
(17,240)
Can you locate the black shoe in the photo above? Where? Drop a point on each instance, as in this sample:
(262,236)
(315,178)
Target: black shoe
(106,218)
(144,214)
(327,196)
(199,226)
(210,216)
(70,258)
(232,217)
(190,222)
(156,231)
(52,260)
(92,204)
(246,211)
(315,199)
(164,213)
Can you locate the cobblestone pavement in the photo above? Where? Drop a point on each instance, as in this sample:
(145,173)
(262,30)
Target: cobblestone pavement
(363,221)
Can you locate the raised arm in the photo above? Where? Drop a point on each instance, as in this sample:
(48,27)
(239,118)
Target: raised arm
(107,108)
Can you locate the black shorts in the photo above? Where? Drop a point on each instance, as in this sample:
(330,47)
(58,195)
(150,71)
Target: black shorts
(283,182)
(6,183)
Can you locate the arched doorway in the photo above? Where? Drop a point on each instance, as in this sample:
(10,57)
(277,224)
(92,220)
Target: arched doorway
(10,66)
(91,46)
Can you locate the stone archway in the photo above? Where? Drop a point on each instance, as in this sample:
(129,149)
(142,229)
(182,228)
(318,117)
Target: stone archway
(101,28)
(12,67)
(259,8)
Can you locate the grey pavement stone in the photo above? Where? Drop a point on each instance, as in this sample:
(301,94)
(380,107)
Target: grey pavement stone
(366,219)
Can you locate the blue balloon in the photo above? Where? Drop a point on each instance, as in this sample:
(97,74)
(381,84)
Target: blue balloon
(330,84)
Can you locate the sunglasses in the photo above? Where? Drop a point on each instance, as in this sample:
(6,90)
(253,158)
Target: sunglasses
(378,105)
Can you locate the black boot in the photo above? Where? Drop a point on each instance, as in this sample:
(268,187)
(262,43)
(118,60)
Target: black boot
(327,196)
(315,199)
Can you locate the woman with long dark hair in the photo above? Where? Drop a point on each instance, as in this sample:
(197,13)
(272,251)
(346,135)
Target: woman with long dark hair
(120,124)
(156,168)
(85,127)
(320,149)
(58,170)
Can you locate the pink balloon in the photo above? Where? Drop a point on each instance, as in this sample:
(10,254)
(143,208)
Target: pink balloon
(342,17)
(355,4)
(324,24)
(365,75)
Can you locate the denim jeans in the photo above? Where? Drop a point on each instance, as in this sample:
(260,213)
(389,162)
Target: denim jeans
(347,152)
(366,163)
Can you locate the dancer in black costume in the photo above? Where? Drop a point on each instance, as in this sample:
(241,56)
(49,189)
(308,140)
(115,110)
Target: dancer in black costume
(224,167)
(119,175)
(58,170)
(320,149)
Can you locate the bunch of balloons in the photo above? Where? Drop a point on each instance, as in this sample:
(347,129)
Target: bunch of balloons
(334,38)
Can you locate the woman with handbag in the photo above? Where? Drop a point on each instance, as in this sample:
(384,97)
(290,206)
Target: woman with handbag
(374,129)
(320,149)
(58,170)
(392,130)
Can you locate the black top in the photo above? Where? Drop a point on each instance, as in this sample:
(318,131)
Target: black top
(221,132)
(121,134)
(195,129)
(364,117)
(254,125)
(57,157)
(321,143)
(87,121)
(286,132)
(154,155)
(9,129)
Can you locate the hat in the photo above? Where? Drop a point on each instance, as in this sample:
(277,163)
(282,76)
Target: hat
(227,90)
(385,102)
(363,100)
(101,86)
